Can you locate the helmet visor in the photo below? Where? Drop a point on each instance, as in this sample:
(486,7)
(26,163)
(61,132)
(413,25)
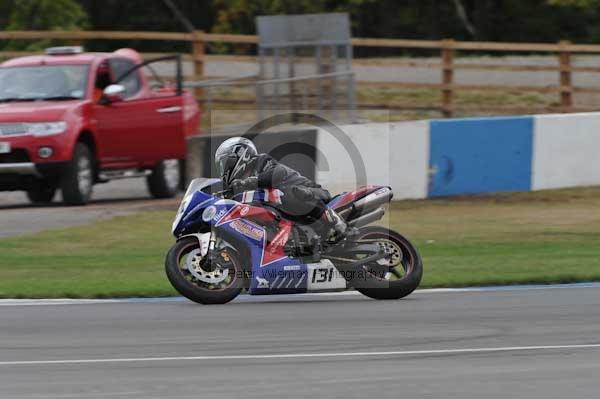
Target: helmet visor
(226,163)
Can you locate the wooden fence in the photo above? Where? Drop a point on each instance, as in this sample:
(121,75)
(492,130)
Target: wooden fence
(447,50)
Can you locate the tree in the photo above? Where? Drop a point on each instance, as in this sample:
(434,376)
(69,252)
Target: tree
(44,15)
(574,3)
(590,12)
(155,15)
(238,15)
(486,20)
(47,15)
(462,14)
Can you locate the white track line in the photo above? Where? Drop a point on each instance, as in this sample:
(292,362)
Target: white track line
(291,356)
(287,297)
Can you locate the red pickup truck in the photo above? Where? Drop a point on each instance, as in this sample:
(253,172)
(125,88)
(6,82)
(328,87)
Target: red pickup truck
(70,119)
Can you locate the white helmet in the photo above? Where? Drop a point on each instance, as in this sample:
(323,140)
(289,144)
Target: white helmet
(232,158)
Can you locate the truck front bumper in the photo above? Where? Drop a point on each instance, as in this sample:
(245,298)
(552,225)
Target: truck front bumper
(24,175)
(21,168)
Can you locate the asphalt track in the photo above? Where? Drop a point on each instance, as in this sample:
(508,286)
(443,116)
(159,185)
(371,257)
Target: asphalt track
(505,343)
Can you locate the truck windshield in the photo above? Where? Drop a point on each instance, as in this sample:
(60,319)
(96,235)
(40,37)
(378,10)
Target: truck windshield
(44,82)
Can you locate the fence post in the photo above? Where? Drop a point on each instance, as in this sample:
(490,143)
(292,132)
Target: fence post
(198,59)
(566,78)
(447,77)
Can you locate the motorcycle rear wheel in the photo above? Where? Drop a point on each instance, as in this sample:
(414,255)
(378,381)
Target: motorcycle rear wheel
(190,286)
(384,281)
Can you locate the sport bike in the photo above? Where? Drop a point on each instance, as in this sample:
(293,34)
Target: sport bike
(246,242)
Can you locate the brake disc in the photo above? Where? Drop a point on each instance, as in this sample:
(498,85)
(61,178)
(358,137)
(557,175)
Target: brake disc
(394,257)
(194,265)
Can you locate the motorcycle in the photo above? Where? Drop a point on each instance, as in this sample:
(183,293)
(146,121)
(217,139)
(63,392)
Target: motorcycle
(229,243)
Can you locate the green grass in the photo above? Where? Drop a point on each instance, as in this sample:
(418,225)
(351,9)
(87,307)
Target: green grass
(545,237)
(396,98)
(118,257)
(399,101)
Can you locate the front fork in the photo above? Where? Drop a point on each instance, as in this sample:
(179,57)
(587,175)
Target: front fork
(212,244)
(205,241)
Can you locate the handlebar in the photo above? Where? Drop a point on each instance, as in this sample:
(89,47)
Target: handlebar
(223,192)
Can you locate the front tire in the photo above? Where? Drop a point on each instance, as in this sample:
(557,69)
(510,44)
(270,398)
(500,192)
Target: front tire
(78,180)
(194,284)
(165,180)
(393,279)
(42,192)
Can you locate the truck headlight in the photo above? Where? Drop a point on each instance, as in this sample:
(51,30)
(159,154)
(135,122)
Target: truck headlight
(46,128)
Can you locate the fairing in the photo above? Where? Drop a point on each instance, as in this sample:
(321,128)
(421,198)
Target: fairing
(263,236)
(273,272)
(345,199)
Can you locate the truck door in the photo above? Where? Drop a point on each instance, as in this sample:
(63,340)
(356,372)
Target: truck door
(144,128)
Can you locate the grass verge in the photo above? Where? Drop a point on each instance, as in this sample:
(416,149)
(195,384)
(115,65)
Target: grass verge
(402,104)
(544,237)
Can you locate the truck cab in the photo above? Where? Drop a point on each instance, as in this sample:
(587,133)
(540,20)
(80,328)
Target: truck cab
(70,120)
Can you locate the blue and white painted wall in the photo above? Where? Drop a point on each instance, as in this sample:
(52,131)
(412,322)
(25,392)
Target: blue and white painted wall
(467,156)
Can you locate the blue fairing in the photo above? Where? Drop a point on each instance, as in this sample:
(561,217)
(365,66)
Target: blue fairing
(279,276)
(271,274)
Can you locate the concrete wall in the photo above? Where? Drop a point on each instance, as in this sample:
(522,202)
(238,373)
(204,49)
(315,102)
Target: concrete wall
(470,156)
(442,157)
(566,151)
(392,154)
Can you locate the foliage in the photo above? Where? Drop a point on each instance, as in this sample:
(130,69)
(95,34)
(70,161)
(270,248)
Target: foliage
(487,20)
(44,15)
(238,15)
(47,15)
(575,3)
(505,20)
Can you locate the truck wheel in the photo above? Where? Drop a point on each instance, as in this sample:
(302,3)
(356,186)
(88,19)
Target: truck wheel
(165,179)
(42,192)
(77,182)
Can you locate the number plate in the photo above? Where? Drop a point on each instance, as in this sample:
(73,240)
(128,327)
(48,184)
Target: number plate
(324,276)
(4,148)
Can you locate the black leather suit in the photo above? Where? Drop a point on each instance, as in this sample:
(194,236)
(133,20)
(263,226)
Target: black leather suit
(302,197)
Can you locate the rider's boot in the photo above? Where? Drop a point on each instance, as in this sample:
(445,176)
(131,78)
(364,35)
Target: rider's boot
(335,226)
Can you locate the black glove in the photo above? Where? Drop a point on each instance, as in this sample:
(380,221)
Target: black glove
(241,185)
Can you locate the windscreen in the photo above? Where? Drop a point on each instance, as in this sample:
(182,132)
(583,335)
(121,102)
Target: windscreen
(203,184)
(43,82)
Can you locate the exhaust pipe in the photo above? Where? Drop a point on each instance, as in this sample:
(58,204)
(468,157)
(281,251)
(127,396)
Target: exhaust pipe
(368,218)
(370,202)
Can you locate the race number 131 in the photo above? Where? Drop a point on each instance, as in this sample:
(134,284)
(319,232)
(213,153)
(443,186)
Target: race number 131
(322,275)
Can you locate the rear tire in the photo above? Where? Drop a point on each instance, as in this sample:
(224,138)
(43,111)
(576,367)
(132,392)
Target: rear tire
(165,180)
(191,288)
(373,285)
(42,192)
(78,181)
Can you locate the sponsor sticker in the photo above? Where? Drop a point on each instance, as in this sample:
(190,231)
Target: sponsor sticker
(247,229)
(209,213)
(219,215)
(279,241)
(262,283)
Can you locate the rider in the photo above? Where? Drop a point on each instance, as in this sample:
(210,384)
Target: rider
(242,168)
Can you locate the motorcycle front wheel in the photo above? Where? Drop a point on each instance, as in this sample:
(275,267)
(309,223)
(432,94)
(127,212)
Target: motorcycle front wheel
(215,279)
(393,278)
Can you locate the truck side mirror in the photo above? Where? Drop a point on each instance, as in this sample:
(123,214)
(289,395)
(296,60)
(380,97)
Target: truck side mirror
(114,93)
